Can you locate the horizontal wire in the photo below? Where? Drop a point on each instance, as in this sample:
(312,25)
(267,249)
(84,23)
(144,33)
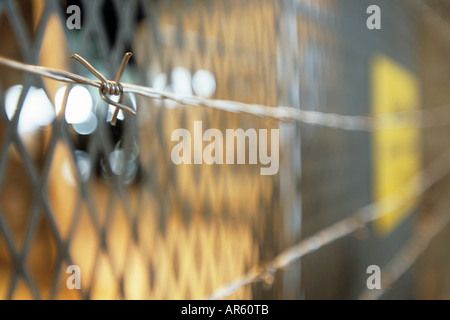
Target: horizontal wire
(367,214)
(416,118)
(431,117)
(50,73)
(425,179)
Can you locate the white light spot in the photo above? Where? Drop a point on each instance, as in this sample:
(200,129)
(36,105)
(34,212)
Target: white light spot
(37,110)
(67,173)
(160,82)
(182,82)
(11,100)
(117,161)
(88,126)
(79,104)
(83,164)
(204,84)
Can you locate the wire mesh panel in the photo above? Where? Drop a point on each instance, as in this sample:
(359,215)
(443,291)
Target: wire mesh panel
(77,190)
(109,199)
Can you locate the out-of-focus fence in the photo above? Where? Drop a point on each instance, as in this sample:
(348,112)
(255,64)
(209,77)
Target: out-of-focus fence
(75,190)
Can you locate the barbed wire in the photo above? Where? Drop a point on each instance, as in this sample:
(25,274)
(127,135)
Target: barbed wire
(432,117)
(424,180)
(415,118)
(421,118)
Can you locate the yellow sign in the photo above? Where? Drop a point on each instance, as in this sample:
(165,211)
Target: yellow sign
(396,152)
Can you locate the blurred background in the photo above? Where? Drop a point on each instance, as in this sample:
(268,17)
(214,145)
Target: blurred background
(76,190)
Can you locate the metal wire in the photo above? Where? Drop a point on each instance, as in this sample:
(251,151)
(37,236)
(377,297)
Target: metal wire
(431,117)
(419,118)
(431,175)
(110,87)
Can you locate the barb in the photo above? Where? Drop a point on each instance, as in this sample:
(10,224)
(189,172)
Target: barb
(123,65)
(425,179)
(431,117)
(110,87)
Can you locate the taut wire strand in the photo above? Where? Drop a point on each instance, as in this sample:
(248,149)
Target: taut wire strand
(431,117)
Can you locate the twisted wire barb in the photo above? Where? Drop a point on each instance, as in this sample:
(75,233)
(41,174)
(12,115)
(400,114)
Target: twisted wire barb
(432,117)
(110,87)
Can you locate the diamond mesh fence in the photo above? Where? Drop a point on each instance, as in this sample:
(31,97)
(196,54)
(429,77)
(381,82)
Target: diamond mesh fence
(75,190)
(109,199)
